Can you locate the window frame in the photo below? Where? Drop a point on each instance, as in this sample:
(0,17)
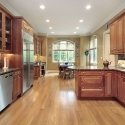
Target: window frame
(94,43)
(66,49)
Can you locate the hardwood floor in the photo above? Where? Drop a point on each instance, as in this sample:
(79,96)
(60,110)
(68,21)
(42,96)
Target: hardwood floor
(52,101)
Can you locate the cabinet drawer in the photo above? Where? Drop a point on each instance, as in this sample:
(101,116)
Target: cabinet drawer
(123,75)
(91,72)
(92,92)
(91,80)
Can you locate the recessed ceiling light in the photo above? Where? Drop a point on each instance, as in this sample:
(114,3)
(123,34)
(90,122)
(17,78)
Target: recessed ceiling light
(77,27)
(88,7)
(74,32)
(47,20)
(52,32)
(81,21)
(42,7)
(50,27)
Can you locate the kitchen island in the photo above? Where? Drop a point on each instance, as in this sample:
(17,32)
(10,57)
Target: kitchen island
(98,82)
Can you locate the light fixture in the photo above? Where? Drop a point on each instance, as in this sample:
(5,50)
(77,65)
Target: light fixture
(81,21)
(74,32)
(88,7)
(52,32)
(47,21)
(77,27)
(42,7)
(50,27)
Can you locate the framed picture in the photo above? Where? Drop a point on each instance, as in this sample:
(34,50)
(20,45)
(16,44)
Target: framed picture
(49,55)
(77,54)
(49,50)
(77,45)
(77,50)
(50,46)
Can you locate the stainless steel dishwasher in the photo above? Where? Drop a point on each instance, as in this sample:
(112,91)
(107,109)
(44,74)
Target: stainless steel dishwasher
(6,84)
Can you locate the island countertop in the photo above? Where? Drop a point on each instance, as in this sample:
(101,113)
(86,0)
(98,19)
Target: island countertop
(96,68)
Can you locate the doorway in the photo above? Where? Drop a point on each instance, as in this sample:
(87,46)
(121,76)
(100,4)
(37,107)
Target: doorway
(106,47)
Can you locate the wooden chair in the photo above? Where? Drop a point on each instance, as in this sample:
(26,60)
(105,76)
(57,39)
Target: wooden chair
(66,73)
(60,71)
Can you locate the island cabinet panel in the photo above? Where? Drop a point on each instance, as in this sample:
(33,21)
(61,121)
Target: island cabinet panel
(123,88)
(116,36)
(109,83)
(77,85)
(117,79)
(91,83)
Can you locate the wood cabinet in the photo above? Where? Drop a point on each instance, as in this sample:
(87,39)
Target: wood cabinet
(37,45)
(26,27)
(17,84)
(91,83)
(18,25)
(5,32)
(37,72)
(116,36)
(116,84)
(109,83)
(122,88)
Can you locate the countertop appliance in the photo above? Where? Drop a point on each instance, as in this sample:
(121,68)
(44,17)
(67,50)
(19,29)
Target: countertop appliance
(28,60)
(6,84)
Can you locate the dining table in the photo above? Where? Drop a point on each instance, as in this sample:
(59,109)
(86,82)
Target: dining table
(63,69)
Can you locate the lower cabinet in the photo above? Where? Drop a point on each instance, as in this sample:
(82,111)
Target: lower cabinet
(91,83)
(100,83)
(109,83)
(122,88)
(17,84)
(37,72)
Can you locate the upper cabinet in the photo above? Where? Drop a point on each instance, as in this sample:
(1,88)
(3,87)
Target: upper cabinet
(116,36)
(37,45)
(27,28)
(5,32)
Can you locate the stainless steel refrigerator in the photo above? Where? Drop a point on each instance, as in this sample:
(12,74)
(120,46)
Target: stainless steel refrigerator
(28,61)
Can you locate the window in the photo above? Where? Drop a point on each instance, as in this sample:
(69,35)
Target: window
(93,51)
(63,51)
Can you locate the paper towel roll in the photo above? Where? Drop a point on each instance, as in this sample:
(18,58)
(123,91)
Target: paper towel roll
(6,63)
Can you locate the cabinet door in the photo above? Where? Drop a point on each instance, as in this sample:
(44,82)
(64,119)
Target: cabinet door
(18,87)
(14,88)
(8,33)
(1,31)
(113,38)
(109,84)
(119,88)
(36,71)
(123,90)
(119,35)
(17,84)
(5,32)
(115,85)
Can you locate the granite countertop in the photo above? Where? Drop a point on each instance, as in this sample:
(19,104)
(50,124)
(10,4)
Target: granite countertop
(3,71)
(96,68)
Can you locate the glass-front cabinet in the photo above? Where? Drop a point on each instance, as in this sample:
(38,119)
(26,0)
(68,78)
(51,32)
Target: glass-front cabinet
(5,32)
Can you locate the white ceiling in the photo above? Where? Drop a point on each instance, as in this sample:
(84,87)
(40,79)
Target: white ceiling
(64,15)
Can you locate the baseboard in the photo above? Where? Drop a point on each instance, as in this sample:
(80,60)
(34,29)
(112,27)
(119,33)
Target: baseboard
(52,71)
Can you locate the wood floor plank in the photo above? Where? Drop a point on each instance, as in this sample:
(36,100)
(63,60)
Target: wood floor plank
(52,101)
